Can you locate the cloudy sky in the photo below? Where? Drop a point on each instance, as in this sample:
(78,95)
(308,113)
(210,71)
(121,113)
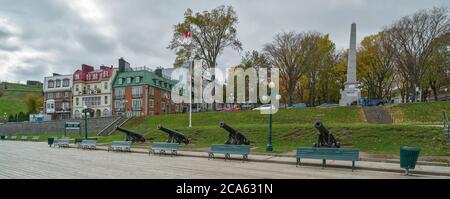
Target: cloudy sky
(38,38)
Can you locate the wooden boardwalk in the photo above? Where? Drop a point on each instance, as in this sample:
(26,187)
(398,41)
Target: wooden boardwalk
(37,160)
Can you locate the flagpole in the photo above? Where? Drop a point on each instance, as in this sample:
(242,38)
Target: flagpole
(187,35)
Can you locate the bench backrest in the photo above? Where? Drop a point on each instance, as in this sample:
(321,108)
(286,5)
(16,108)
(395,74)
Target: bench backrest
(24,137)
(230,148)
(63,141)
(89,142)
(328,153)
(13,137)
(35,138)
(166,145)
(121,143)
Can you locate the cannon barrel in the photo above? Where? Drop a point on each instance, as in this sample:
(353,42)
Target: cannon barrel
(325,138)
(321,128)
(135,137)
(174,136)
(227,128)
(235,137)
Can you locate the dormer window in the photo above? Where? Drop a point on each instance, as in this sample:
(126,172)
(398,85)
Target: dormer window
(120,80)
(138,79)
(77,76)
(105,74)
(128,80)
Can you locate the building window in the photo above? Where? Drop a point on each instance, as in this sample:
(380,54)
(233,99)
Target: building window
(105,85)
(119,92)
(105,74)
(120,80)
(66,94)
(58,83)
(106,100)
(137,91)
(151,91)
(50,96)
(77,88)
(77,76)
(65,83)
(138,79)
(77,101)
(150,103)
(163,105)
(137,104)
(65,106)
(77,114)
(128,80)
(58,95)
(92,101)
(51,84)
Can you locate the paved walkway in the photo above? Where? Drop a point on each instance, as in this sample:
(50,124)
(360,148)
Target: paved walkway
(37,160)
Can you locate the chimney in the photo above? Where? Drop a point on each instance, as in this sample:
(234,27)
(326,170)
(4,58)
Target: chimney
(124,65)
(158,72)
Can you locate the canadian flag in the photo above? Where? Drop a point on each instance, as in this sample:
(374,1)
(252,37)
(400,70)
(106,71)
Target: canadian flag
(187,35)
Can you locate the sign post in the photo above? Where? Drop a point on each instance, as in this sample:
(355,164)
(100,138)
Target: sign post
(72,126)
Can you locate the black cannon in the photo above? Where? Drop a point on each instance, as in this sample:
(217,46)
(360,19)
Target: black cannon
(131,136)
(174,136)
(235,137)
(324,137)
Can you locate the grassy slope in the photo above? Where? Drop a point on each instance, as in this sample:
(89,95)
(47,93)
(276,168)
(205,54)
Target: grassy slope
(294,128)
(420,113)
(14,101)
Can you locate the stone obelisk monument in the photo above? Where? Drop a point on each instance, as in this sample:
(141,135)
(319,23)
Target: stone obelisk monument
(351,93)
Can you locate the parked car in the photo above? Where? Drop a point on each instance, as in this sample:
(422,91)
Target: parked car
(298,105)
(372,102)
(232,109)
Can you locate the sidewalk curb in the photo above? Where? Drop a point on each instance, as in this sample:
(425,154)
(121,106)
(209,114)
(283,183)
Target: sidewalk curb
(399,170)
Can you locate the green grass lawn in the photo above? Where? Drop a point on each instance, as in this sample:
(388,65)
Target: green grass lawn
(14,102)
(419,113)
(23,87)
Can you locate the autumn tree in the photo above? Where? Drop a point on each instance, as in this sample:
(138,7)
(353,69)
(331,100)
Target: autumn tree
(33,102)
(211,32)
(376,58)
(438,64)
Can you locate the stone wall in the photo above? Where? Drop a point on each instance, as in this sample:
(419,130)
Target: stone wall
(95,125)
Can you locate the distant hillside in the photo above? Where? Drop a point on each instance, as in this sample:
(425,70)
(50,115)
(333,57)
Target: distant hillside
(13,99)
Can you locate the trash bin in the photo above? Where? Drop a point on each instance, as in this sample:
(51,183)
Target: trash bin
(408,158)
(2,137)
(50,141)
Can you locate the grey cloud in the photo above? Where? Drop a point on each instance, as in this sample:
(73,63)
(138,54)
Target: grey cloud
(143,29)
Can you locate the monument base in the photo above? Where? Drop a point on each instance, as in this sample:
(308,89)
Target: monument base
(350,95)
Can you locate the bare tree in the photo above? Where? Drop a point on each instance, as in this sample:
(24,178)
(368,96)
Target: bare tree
(412,38)
(287,52)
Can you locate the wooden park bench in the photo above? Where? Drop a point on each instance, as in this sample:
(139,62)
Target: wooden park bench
(24,138)
(13,137)
(164,147)
(346,154)
(62,142)
(120,146)
(35,138)
(87,144)
(229,149)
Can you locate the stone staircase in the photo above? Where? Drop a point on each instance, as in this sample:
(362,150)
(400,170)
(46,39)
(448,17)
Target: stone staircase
(377,115)
(108,130)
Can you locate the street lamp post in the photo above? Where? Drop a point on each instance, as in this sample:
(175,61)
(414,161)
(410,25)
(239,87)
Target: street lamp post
(269,147)
(85,122)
